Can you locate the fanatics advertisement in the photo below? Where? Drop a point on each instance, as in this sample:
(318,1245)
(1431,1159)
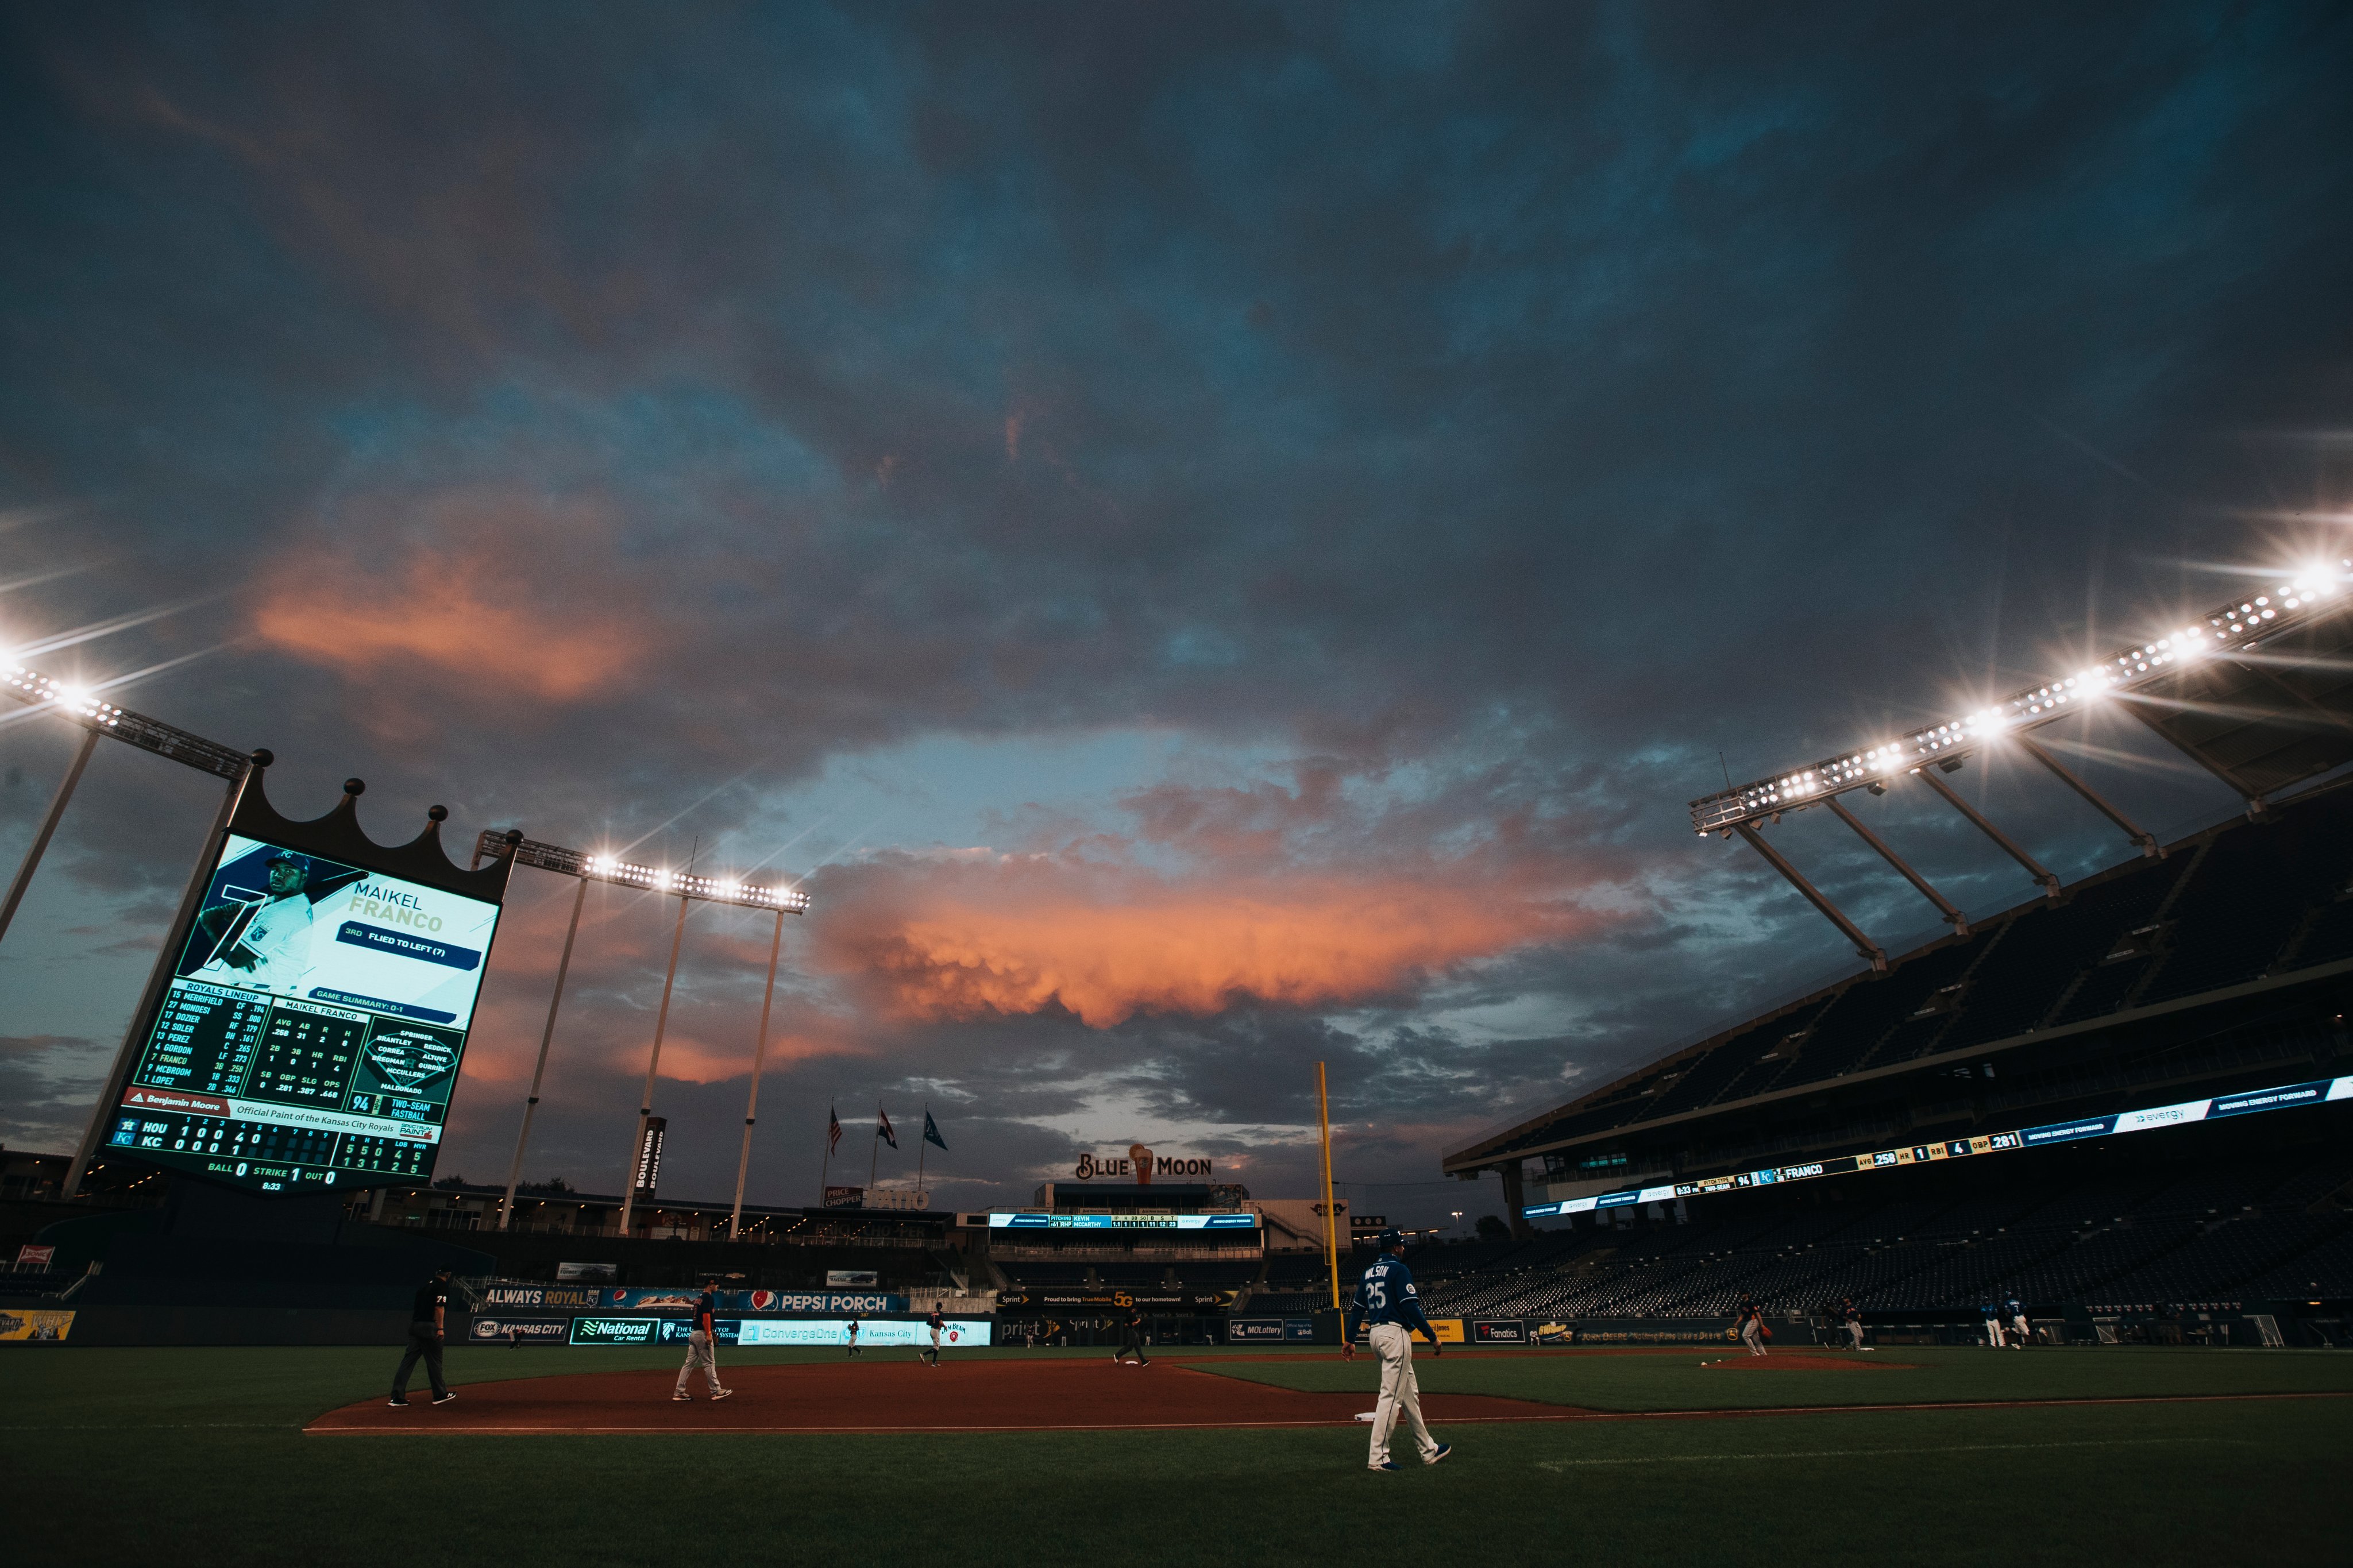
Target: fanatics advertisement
(313,1028)
(2286,1097)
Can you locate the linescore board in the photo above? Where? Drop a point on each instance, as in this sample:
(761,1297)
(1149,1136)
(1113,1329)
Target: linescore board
(314,1028)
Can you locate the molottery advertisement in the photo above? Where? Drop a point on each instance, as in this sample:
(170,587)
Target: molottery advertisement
(1263,1330)
(523,1330)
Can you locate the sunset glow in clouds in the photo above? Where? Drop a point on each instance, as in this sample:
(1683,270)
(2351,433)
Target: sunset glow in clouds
(950,939)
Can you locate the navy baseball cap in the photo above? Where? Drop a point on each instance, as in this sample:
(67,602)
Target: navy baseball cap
(1391,1239)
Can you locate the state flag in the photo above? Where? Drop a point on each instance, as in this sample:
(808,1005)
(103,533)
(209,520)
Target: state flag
(883,1130)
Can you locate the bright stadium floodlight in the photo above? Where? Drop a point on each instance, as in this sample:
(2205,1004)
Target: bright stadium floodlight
(2315,586)
(607,867)
(601,866)
(1934,750)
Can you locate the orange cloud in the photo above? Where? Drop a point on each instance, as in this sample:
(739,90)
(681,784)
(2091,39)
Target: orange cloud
(486,586)
(953,940)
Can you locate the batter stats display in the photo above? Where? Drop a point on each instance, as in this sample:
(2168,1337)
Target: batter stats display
(313,1028)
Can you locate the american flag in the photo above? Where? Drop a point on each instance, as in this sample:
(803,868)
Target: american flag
(832,1131)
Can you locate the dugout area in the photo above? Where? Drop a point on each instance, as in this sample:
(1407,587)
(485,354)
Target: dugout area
(2161,1456)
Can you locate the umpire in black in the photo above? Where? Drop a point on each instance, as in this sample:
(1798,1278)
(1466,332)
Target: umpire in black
(424,1322)
(1131,1336)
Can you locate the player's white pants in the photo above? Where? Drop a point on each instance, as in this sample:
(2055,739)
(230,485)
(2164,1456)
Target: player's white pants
(2019,1331)
(1401,1394)
(702,1353)
(1993,1333)
(1752,1336)
(1856,1329)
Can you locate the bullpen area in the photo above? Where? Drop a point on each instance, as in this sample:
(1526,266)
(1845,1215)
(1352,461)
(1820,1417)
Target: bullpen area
(579,1457)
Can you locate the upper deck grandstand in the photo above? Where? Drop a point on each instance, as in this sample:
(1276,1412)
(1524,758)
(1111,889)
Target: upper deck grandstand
(2189,972)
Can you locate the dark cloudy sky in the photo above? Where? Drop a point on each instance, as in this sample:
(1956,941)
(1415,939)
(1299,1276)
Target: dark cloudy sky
(1216,537)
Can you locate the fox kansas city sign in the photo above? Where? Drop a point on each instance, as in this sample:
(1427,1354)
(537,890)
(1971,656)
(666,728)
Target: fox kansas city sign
(1141,1165)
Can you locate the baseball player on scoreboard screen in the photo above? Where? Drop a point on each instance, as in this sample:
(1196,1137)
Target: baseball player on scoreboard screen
(937,1323)
(1386,1300)
(702,1347)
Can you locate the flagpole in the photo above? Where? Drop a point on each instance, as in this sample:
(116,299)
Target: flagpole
(921,1151)
(1331,1219)
(825,1166)
(752,1106)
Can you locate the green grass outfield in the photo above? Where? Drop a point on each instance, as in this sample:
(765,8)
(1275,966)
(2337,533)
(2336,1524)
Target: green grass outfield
(197,1456)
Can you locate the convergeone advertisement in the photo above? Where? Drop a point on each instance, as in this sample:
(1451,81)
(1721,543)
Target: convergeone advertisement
(315,1025)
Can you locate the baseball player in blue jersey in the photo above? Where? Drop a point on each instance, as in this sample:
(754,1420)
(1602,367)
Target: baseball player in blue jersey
(1385,1301)
(935,1323)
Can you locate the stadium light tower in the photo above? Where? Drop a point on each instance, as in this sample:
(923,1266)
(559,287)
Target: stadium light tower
(2240,691)
(81,705)
(589,868)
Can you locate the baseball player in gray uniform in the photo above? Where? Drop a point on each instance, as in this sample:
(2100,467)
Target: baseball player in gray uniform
(702,1347)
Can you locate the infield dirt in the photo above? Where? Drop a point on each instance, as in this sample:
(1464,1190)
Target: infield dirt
(902,1397)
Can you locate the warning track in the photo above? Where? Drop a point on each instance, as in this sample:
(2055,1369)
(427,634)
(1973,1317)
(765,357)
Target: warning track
(982,1396)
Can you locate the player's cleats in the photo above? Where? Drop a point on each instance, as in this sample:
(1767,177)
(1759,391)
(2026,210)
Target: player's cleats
(1386,1465)
(400,1404)
(725,1393)
(443,1398)
(681,1398)
(1443,1450)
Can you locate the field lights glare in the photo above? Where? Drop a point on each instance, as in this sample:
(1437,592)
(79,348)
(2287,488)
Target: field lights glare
(2250,620)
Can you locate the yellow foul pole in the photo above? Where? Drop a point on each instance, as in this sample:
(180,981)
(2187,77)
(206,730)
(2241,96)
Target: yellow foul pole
(1331,1218)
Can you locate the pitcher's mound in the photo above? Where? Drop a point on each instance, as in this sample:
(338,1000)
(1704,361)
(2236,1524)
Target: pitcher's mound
(994,1396)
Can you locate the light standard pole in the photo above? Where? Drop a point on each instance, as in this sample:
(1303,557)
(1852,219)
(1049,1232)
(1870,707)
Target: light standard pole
(645,1100)
(546,1037)
(752,1105)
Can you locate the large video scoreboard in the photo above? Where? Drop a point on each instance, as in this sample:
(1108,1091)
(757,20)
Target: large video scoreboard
(312,1029)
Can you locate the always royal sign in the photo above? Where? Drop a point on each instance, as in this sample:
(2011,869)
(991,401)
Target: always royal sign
(1140,1166)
